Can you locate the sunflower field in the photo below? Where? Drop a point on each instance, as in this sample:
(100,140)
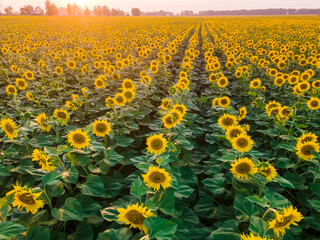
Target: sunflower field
(119,128)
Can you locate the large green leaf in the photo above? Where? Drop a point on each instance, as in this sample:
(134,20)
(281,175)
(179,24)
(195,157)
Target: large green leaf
(71,210)
(116,234)
(244,206)
(160,228)
(137,188)
(38,232)
(123,141)
(94,186)
(9,229)
(258,226)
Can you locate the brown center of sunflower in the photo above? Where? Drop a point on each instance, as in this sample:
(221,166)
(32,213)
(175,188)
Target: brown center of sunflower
(255,84)
(222,82)
(234,133)
(101,127)
(11,90)
(128,85)
(314,103)
(303,86)
(156,144)
(279,81)
(79,138)
(42,159)
(284,222)
(243,167)
(27,198)
(120,99)
(62,115)
(227,121)
(306,149)
(29,75)
(242,142)
(135,217)
(9,128)
(128,94)
(99,83)
(169,119)
(224,101)
(157,177)
(307,139)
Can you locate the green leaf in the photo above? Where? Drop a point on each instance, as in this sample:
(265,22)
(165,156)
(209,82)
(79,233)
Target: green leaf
(257,200)
(137,188)
(110,214)
(72,176)
(258,226)
(123,141)
(84,232)
(228,157)
(244,206)
(225,236)
(185,143)
(78,159)
(160,228)
(315,187)
(113,158)
(215,184)
(9,229)
(38,232)
(71,210)
(89,206)
(283,182)
(4,172)
(315,203)
(94,186)
(116,234)
(51,178)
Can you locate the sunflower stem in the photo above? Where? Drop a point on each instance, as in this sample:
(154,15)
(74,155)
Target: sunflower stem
(47,197)
(26,139)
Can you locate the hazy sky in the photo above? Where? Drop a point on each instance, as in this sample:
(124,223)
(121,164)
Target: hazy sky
(172,5)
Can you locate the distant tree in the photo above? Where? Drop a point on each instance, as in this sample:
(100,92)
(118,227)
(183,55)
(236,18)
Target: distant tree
(97,10)
(135,12)
(105,11)
(26,10)
(69,9)
(8,10)
(87,11)
(51,8)
(39,10)
(187,13)
(54,9)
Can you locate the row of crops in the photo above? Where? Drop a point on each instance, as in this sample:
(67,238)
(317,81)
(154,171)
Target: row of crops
(159,128)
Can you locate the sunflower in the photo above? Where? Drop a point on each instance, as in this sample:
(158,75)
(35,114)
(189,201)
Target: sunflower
(169,121)
(242,113)
(120,99)
(28,75)
(71,106)
(309,137)
(100,83)
(127,84)
(293,79)
(304,149)
(252,237)
(165,103)
(212,77)
(242,143)
(227,120)
(284,219)
(224,102)
(41,120)
(234,131)
(271,105)
(303,86)
(267,170)
(110,102)
(21,83)
(43,159)
(9,127)
(222,82)
(62,115)
(135,216)
(316,84)
(101,128)
(314,103)
(156,178)
(181,108)
(215,102)
(255,83)
(85,92)
(30,96)
(129,94)
(71,65)
(78,139)
(58,70)
(11,90)
(27,198)
(242,167)
(157,144)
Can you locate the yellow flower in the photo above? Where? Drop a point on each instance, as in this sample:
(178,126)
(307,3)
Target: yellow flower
(224,102)
(41,120)
(165,104)
(11,89)
(234,131)
(242,143)
(304,86)
(61,114)
(101,128)
(242,113)
(30,96)
(252,237)
(135,216)
(100,83)
(78,139)
(21,83)
(284,219)
(9,127)
(304,149)
(129,94)
(242,167)
(267,170)
(43,159)
(58,70)
(156,178)
(215,102)
(314,103)
(26,198)
(157,144)
(71,65)
(71,106)
(181,108)
(255,83)
(227,120)
(120,99)
(110,102)
(222,82)
(309,137)
(28,75)
(127,84)
(168,121)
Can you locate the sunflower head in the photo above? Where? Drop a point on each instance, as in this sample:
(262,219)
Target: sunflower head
(78,139)
(120,99)
(61,114)
(314,103)
(156,178)
(9,127)
(129,94)
(242,167)
(224,102)
(181,108)
(101,128)
(234,131)
(134,215)
(242,113)
(42,120)
(127,84)
(304,149)
(309,137)
(44,160)
(157,144)
(267,170)
(110,102)
(242,143)
(10,89)
(165,104)
(227,120)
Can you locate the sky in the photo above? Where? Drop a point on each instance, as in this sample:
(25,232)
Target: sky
(175,6)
